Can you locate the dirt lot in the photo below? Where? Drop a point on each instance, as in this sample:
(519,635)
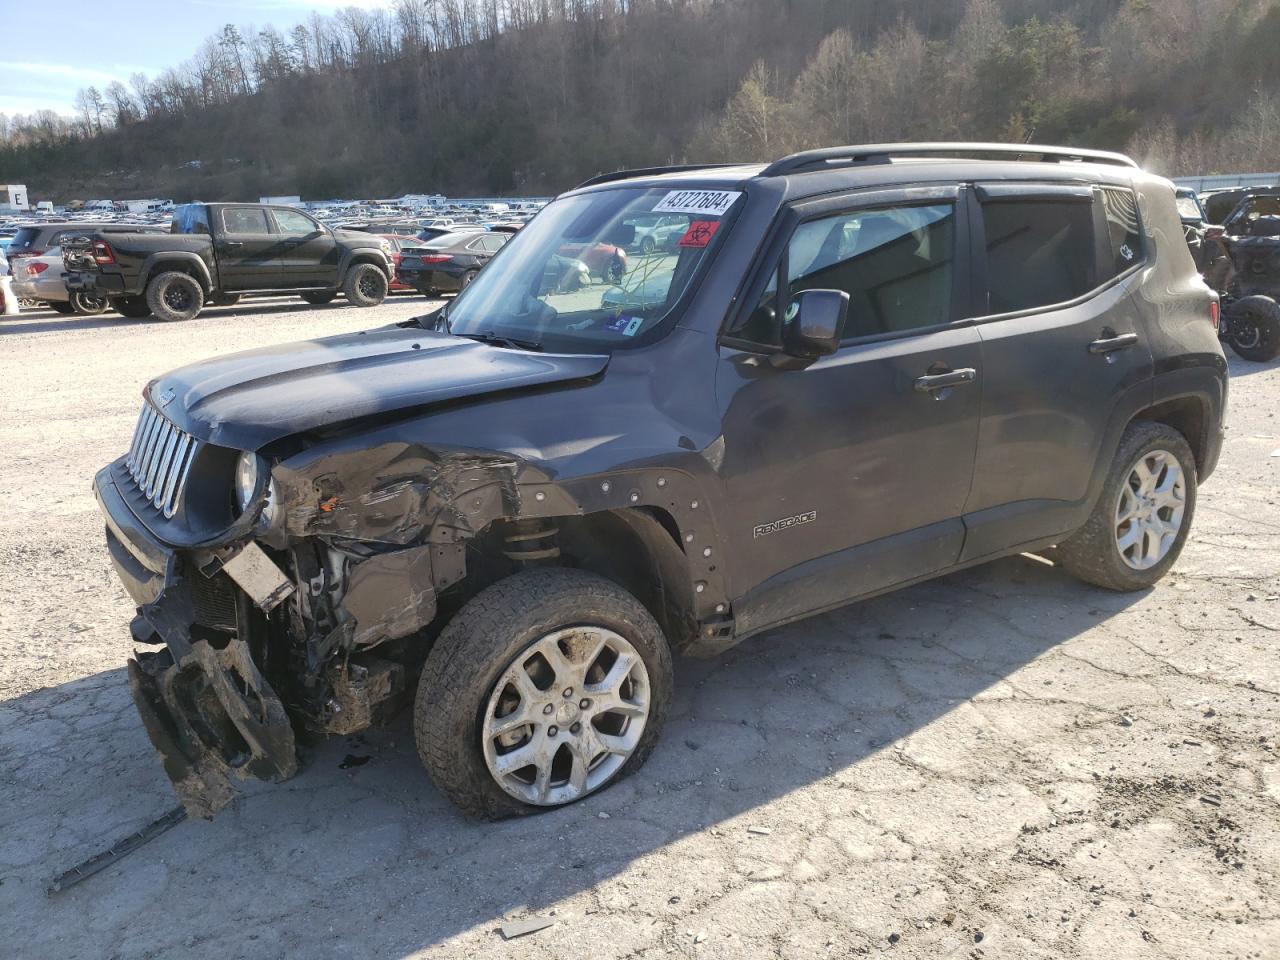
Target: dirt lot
(1003,763)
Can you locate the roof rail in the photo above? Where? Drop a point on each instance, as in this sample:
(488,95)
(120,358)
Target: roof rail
(886,152)
(650,172)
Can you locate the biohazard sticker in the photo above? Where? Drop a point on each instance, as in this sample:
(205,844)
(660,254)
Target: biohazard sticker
(709,203)
(699,233)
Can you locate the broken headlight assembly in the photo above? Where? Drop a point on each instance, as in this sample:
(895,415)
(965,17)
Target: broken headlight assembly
(249,486)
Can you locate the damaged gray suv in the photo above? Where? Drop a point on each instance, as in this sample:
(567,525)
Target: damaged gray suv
(854,369)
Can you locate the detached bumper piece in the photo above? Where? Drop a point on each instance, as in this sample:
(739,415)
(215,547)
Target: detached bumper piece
(207,709)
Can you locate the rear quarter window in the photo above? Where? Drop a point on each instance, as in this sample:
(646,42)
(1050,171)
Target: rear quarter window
(1124,230)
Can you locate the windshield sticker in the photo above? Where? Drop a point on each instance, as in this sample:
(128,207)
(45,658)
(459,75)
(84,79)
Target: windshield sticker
(699,233)
(711,203)
(633,326)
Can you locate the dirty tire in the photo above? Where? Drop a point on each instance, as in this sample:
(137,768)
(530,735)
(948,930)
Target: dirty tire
(61,306)
(320,298)
(1091,554)
(1255,328)
(88,305)
(135,308)
(365,285)
(224,300)
(478,646)
(174,297)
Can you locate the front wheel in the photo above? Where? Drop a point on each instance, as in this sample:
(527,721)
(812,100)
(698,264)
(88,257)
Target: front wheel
(545,687)
(1253,328)
(365,286)
(87,304)
(1143,514)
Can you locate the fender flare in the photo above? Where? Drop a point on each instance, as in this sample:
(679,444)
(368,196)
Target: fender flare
(201,271)
(372,255)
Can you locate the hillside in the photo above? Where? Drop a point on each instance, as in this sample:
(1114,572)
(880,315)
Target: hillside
(531,96)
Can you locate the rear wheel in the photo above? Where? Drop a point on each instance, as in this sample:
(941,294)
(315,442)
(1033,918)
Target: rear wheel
(1254,328)
(87,304)
(320,297)
(466,279)
(365,286)
(135,308)
(1143,515)
(175,296)
(61,306)
(547,686)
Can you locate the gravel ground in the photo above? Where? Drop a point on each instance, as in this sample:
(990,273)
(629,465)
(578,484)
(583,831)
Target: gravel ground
(1001,763)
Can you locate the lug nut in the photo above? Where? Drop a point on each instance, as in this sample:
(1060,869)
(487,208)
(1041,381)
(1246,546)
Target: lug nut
(568,691)
(547,709)
(552,731)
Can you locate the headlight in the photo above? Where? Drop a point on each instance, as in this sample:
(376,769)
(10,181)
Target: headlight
(246,479)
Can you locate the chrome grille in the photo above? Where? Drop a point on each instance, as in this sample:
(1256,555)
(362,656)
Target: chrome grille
(159,459)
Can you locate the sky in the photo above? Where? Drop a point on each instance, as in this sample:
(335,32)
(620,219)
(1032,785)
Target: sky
(47,55)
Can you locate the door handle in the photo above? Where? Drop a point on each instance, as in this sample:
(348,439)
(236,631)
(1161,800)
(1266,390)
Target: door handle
(233,243)
(941,381)
(1111,344)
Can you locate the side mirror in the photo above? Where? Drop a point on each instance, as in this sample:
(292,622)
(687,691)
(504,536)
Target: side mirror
(814,323)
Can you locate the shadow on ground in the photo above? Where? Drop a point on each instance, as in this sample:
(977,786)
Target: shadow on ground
(371,855)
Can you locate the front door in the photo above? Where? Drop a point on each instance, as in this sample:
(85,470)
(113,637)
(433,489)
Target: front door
(247,249)
(308,252)
(850,475)
(1063,348)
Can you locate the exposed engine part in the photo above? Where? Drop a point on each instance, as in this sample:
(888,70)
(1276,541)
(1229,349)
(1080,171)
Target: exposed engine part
(363,694)
(529,540)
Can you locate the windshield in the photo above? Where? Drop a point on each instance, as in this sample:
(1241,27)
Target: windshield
(591,271)
(1189,207)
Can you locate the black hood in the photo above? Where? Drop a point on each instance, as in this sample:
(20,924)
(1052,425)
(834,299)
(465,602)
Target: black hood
(248,400)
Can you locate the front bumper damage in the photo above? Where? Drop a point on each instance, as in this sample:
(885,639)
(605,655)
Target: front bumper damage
(210,620)
(208,710)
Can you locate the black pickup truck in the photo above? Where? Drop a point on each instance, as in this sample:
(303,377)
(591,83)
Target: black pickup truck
(217,251)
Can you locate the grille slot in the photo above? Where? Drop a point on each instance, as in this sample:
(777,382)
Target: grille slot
(159,459)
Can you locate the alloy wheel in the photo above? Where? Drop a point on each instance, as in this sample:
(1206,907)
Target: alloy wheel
(1150,508)
(566,715)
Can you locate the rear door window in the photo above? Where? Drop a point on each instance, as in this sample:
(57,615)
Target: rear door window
(1040,251)
(245,220)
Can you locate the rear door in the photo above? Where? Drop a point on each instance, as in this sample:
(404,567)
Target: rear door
(850,475)
(248,249)
(1063,347)
(308,252)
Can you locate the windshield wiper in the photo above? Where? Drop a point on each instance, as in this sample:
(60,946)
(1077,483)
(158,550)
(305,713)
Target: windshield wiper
(500,341)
